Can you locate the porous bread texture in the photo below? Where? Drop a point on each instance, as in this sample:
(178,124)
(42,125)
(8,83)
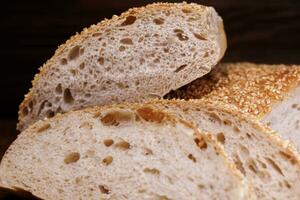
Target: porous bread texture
(120,153)
(144,53)
(269,92)
(285,117)
(270,164)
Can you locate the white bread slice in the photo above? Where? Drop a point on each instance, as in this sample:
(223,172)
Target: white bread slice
(270,164)
(120,153)
(144,53)
(269,92)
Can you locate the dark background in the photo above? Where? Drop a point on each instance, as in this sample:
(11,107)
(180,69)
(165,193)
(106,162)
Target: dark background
(262,31)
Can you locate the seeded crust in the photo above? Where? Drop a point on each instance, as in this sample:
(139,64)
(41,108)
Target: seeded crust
(34,99)
(151,116)
(253,88)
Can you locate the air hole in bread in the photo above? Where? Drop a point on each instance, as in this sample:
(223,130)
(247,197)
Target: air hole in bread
(182,37)
(238,163)
(201,186)
(101,60)
(147,151)
(152,171)
(156,60)
(186,11)
(129,20)
(150,115)
(274,165)
(72,157)
(288,157)
(58,89)
(206,55)
(191,157)
(262,164)
(214,117)
(104,189)
(123,145)
(159,21)
(199,37)
(122,85)
(50,113)
(43,127)
(104,44)
(74,53)
(63,61)
(108,142)
(81,66)
(227,122)
(87,95)
(59,110)
(73,72)
(244,150)
(127,41)
(221,137)
(201,143)
(287,184)
(252,166)
(107,160)
(295,106)
(68,98)
(166,50)
(81,51)
(236,129)
(248,136)
(142,61)
(96,34)
(122,48)
(137,82)
(25,111)
(180,68)
(114,118)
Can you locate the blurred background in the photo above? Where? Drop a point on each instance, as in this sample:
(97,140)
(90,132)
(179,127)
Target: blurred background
(264,31)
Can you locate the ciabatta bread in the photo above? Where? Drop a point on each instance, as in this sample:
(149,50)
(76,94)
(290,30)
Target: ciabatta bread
(270,164)
(120,152)
(141,54)
(269,92)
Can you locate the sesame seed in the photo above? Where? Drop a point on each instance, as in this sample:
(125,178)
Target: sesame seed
(253,88)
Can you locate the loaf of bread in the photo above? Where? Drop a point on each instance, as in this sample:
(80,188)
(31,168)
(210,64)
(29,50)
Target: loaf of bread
(270,164)
(269,92)
(141,54)
(123,153)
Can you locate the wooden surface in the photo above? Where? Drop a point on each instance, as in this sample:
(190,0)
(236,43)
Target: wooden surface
(265,31)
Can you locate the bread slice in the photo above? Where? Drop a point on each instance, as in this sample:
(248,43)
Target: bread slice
(270,164)
(119,152)
(269,92)
(144,53)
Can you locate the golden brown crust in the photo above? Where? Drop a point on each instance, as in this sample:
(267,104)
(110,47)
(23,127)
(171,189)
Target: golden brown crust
(253,88)
(88,31)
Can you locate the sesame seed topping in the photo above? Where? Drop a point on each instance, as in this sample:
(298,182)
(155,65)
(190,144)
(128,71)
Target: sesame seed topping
(253,88)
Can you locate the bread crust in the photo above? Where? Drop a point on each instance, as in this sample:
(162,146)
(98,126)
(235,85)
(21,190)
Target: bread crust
(253,88)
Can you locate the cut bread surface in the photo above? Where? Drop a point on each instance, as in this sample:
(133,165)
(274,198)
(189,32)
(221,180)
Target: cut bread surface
(269,92)
(141,54)
(269,163)
(120,153)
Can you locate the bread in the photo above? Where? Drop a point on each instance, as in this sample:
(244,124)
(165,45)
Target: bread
(141,54)
(270,164)
(120,152)
(269,92)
